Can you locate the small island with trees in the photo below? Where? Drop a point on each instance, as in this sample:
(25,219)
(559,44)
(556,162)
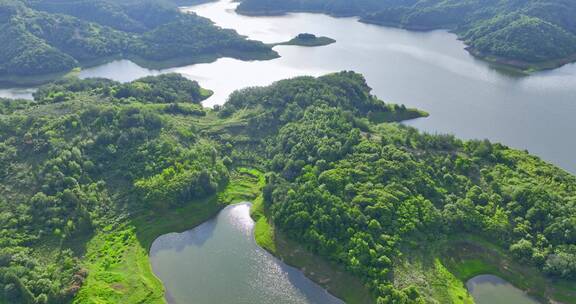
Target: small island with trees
(526,36)
(307,39)
(93,170)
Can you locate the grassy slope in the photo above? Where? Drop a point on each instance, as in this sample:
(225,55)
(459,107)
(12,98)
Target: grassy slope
(469,256)
(440,269)
(119,267)
(263,230)
(434,280)
(117,258)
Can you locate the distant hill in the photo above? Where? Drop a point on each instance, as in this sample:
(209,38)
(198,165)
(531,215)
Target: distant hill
(529,34)
(93,170)
(53,36)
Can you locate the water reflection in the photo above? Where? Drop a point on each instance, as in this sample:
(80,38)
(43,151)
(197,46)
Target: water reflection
(219,262)
(179,241)
(17,93)
(490,289)
(428,70)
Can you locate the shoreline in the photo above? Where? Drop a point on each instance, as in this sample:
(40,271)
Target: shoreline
(8,82)
(477,256)
(522,67)
(219,202)
(136,280)
(511,65)
(518,67)
(279,13)
(333,278)
(316,42)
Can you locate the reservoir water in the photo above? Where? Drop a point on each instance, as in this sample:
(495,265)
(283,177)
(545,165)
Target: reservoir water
(219,262)
(489,289)
(428,70)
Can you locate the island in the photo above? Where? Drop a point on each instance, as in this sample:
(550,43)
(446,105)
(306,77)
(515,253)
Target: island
(93,171)
(308,40)
(526,36)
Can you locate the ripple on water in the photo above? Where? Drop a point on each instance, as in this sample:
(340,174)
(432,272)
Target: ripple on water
(428,70)
(219,262)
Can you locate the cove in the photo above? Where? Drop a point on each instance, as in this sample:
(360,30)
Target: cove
(432,71)
(490,289)
(220,262)
(428,70)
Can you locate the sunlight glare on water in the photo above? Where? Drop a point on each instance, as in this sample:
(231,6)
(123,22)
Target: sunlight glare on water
(428,70)
(219,262)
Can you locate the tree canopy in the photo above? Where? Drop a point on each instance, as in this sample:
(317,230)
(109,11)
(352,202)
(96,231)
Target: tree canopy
(520,33)
(45,37)
(343,179)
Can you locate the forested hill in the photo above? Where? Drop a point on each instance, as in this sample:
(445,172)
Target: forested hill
(86,157)
(93,170)
(409,213)
(527,34)
(44,36)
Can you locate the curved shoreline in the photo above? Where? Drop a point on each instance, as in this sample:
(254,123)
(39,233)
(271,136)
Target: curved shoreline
(37,80)
(347,286)
(333,278)
(316,41)
(513,65)
(215,215)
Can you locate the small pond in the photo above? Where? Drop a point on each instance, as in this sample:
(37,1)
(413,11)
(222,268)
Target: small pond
(490,289)
(219,262)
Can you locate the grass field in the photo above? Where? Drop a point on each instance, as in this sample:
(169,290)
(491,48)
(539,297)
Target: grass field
(440,270)
(117,257)
(468,256)
(263,230)
(120,272)
(427,272)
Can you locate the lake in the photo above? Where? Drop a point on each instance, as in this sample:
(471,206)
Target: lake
(17,93)
(220,262)
(489,289)
(428,70)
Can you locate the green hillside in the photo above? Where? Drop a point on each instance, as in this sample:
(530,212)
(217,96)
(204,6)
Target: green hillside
(50,37)
(531,34)
(93,170)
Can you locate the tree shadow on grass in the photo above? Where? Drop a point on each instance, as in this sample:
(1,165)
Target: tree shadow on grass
(78,243)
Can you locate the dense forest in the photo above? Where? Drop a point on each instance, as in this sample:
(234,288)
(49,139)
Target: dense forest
(79,156)
(89,160)
(526,34)
(359,193)
(45,37)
